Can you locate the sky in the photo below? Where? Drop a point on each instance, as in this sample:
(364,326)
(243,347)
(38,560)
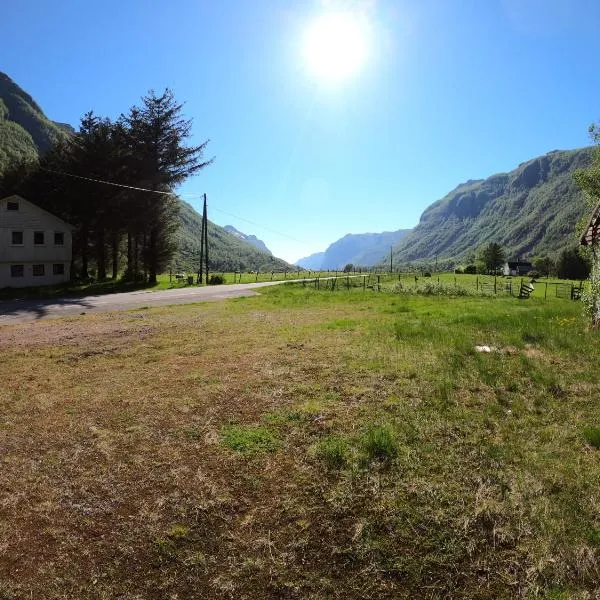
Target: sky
(315,138)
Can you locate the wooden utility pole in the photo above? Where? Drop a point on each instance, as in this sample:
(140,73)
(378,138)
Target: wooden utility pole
(203,245)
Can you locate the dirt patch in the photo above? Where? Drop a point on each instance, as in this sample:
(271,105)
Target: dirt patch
(80,331)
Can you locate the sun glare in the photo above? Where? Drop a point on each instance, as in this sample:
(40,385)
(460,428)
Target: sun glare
(335,46)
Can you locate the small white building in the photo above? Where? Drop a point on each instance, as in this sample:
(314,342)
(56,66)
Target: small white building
(35,246)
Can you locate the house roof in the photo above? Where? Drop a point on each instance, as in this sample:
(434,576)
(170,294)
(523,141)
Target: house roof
(591,235)
(15,198)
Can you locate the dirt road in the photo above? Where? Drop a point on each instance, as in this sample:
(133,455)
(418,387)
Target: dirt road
(19,311)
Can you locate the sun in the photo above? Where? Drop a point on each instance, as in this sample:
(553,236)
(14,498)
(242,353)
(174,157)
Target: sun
(335,46)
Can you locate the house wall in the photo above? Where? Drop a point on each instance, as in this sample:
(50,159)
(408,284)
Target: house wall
(30,219)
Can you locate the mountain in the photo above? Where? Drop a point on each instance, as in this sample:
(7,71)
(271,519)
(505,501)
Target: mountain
(251,239)
(314,262)
(360,249)
(227,252)
(25,131)
(532,210)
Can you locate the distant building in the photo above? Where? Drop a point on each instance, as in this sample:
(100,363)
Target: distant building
(35,246)
(517,267)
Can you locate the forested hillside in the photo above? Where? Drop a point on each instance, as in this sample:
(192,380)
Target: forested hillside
(25,131)
(531,210)
(226,251)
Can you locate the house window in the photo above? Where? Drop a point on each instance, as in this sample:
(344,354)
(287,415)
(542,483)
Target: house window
(38,238)
(58,269)
(17,238)
(12,206)
(59,238)
(38,270)
(17,270)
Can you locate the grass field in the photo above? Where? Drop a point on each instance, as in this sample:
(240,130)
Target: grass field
(303,444)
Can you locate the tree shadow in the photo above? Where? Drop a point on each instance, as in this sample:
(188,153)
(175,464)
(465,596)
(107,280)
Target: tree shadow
(38,308)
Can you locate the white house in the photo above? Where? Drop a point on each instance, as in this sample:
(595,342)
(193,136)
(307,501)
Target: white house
(35,246)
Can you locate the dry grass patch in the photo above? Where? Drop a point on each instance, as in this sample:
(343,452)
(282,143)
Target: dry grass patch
(298,445)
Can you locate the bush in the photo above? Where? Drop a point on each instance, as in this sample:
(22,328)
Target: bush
(430,288)
(427,274)
(333,451)
(379,442)
(470,270)
(592,436)
(216,280)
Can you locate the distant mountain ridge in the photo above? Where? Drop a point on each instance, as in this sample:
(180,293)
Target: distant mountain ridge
(251,239)
(359,249)
(531,210)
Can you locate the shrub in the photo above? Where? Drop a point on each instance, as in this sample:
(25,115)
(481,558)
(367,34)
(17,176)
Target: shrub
(427,274)
(216,280)
(592,436)
(436,289)
(470,270)
(333,451)
(379,442)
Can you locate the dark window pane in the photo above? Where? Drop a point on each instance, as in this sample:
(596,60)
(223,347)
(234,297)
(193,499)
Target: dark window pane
(38,270)
(12,206)
(59,238)
(17,270)
(17,237)
(58,269)
(38,238)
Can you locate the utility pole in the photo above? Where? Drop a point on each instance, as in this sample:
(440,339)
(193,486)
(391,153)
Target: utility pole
(203,245)
(391,261)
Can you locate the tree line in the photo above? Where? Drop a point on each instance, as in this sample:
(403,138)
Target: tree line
(130,221)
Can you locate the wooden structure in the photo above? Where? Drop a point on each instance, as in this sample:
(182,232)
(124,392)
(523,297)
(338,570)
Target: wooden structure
(591,235)
(525,291)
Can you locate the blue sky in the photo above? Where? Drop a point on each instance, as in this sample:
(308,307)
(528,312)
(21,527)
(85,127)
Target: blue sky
(450,90)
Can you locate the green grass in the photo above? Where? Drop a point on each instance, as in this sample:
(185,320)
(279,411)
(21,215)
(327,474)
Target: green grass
(305,443)
(249,440)
(592,436)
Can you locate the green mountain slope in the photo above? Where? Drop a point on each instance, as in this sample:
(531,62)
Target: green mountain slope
(25,131)
(532,210)
(226,251)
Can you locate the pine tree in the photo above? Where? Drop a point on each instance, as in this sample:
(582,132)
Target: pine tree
(159,160)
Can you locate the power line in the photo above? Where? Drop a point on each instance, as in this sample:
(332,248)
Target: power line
(122,185)
(139,189)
